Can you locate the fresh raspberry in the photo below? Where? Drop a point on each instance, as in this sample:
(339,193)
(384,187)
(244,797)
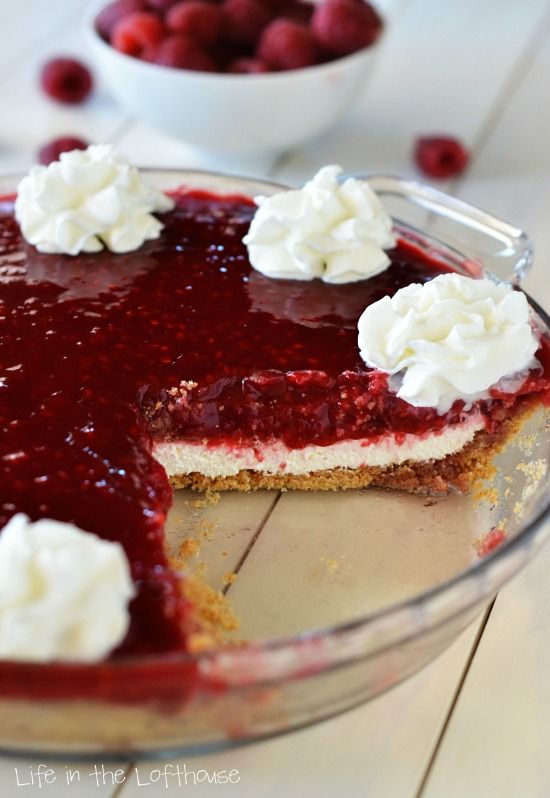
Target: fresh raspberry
(183,52)
(51,151)
(137,31)
(113,13)
(286,44)
(298,11)
(247,66)
(277,6)
(227,52)
(161,5)
(244,20)
(199,19)
(66,80)
(440,156)
(344,26)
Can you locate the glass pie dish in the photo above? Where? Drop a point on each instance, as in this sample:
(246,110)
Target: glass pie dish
(341,595)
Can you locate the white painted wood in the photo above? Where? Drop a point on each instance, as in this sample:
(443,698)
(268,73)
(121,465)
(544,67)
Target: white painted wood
(378,750)
(33,118)
(497,743)
(24,25)
(499,735)
(439,71)
(511,173)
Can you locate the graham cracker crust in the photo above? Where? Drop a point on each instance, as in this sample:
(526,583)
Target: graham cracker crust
(458,471)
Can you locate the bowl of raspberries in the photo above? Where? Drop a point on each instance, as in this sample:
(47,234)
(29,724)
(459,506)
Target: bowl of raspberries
(241,78)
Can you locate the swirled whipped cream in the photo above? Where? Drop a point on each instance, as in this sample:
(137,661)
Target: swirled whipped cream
(64,593)
(331,230)
(88,200)
(452,338)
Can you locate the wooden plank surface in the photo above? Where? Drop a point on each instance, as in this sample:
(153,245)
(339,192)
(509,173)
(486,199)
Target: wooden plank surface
(498,737)
(478,70)
(377,750)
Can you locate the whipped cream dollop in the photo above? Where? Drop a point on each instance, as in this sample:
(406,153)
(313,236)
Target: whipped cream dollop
(88,200)
(331,230)
(452,338)
(64,593)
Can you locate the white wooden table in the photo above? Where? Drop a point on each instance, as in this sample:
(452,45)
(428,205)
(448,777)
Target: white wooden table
(477,721)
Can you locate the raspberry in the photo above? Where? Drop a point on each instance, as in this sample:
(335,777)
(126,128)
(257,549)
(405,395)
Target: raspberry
(440,156)
(247,66)
(344,26)
(66,80)
(199,19)
(182,52)
(161,5)
(244,20)
(286,44)
(137,31)
(113,13)
(298,11)
(51,151)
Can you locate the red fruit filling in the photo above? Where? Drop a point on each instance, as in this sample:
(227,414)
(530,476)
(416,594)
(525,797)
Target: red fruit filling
(66,80)
(198,19)
(51,151)
(441,156)
(286,44)
(137,32)
(344,26)
(181,52)
(490,541)
(99,358)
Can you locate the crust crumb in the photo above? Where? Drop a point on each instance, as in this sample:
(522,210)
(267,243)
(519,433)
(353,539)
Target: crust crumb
(189,548)
(212,609)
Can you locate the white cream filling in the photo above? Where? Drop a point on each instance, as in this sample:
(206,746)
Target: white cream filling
(275,458)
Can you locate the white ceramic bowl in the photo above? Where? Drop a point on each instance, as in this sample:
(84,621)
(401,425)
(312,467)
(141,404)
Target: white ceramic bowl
(245,116)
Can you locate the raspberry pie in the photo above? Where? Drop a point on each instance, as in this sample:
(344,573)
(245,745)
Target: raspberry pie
(181,364)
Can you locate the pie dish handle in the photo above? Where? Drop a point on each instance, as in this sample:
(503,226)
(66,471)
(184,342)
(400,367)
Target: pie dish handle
(501,248)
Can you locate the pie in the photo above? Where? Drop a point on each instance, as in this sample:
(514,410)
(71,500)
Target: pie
(180,365)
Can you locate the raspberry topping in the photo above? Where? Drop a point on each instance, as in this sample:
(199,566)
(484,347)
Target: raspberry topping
(182,52)
(114,12)
(244,20)
(344,26)
(103,354)
(441,156)
(286,44)
(490,541)
(198,19)
(136,32)
(247,66)
(66,80)
(53,149)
